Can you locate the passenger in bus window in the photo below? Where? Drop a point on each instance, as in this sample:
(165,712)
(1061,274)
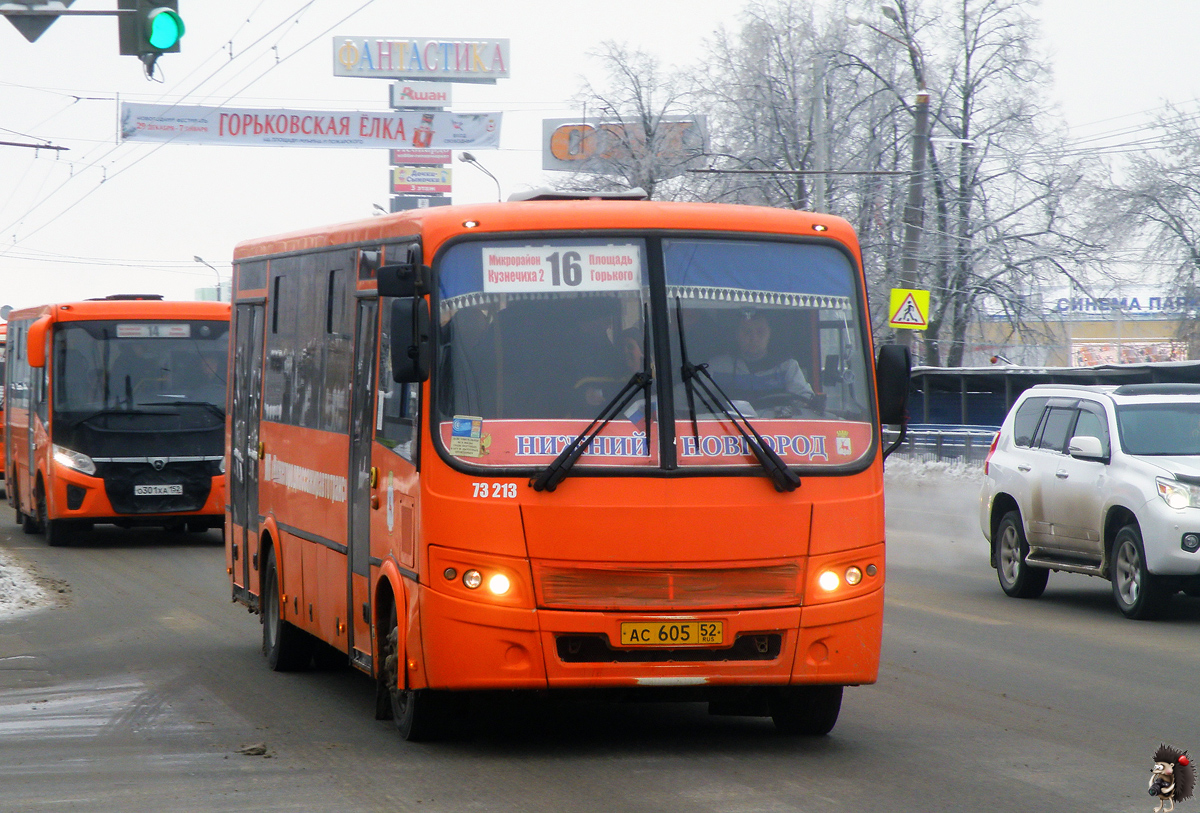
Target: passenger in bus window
(774,386)
(597,366)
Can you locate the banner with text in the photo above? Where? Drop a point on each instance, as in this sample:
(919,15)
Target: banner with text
(309,128)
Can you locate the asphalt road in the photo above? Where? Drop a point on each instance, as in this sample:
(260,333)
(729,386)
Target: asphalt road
(140,691)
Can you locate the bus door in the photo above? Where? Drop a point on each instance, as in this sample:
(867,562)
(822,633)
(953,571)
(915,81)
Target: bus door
(243,474)
(362,481)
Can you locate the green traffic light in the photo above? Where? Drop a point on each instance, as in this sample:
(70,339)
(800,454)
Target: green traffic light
(165,28)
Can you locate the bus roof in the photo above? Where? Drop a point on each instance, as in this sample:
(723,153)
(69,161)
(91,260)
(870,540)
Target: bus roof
(126,309)
(440,222)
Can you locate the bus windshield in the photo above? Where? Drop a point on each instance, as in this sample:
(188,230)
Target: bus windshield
(173,370)
(536,337)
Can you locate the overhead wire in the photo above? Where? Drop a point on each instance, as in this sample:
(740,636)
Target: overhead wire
(153,150)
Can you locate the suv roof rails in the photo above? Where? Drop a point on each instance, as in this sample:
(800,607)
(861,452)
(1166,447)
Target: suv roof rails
(1164,388)
(546,193)
(124,297)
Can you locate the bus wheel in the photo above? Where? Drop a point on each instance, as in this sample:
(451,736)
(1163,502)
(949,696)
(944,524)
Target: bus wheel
(57,531)
(287,647)
(28,524)
(419,714)
(811,710)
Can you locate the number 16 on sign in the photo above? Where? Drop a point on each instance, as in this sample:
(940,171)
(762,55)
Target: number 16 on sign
(909,309)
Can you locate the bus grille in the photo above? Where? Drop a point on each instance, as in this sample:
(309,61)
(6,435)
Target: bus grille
(120,479)
(595,588)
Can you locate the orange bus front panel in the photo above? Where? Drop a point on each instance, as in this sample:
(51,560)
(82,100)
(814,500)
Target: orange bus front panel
(470,645)
(840,642)
(73,495)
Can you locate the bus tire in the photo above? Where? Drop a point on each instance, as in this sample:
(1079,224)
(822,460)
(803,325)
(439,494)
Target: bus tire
(58,532)
(419,714)
(28,524)
(286,647)
(808,710)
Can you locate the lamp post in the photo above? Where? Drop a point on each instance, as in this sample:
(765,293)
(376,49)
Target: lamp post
(202,261)
(468,158)
(914,205)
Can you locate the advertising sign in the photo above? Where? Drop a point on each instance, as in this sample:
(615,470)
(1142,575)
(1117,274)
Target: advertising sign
(402,203)
(575,146)
(421,94)
(423,157)
(260,127)
(430,180)
(482,61)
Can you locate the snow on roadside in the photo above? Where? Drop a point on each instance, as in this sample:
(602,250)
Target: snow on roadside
(898,466)
(19,590)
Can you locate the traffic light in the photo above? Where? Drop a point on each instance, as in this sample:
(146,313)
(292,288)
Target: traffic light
(148,28)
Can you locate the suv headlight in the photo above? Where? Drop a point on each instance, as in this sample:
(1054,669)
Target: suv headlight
(73,460)
(1177,494)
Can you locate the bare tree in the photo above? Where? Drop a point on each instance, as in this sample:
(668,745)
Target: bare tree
(1154,212)
(645,134)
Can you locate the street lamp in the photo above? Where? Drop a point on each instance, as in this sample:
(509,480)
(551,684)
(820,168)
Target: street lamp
(468,158)
(202,261)
(914,206)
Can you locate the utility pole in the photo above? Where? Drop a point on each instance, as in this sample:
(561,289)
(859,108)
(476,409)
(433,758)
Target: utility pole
(914,206)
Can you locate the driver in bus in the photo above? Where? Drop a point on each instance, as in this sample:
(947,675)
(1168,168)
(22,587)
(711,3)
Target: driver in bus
(753,373)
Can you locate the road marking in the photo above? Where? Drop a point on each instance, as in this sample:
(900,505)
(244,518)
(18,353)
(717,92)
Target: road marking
(975,619)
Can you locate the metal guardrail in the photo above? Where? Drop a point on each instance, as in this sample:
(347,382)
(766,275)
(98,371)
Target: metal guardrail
(930,442)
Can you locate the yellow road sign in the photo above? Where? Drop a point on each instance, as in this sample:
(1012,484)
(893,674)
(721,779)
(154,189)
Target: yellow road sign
(909,309)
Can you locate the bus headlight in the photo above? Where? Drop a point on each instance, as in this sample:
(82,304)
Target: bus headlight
(472,579)
(499,584)
(73,460)
(828,581)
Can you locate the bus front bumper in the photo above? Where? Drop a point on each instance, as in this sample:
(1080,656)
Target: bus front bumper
(468,645)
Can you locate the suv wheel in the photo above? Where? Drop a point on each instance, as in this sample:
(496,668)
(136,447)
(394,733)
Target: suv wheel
(1017,578)
(1139,593)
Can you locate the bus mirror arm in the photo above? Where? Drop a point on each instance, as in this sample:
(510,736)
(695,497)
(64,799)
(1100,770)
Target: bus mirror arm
(411,340)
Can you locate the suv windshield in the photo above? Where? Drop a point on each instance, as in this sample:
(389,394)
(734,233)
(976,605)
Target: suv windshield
(1160,429)
(536,336)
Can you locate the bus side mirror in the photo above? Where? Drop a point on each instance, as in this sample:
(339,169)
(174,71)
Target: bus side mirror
(412,340)
(403,280)
(892,373)
(35,342)
(407,278)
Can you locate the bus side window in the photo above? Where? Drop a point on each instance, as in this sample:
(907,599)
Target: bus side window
(396,405)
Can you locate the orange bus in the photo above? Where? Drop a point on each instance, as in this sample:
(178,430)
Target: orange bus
(116,415)
(3,351)
(526,446)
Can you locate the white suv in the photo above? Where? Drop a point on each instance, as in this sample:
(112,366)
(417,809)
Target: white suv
(1098,480)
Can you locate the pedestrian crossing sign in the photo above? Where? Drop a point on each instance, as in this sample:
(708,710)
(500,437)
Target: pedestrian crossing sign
(909,309)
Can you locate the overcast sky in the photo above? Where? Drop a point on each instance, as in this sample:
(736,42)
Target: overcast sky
(105,217)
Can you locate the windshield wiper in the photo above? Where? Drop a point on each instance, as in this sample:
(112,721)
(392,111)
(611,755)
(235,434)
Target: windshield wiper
(100,413)
(694,375)
(213,408)
(556,472)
